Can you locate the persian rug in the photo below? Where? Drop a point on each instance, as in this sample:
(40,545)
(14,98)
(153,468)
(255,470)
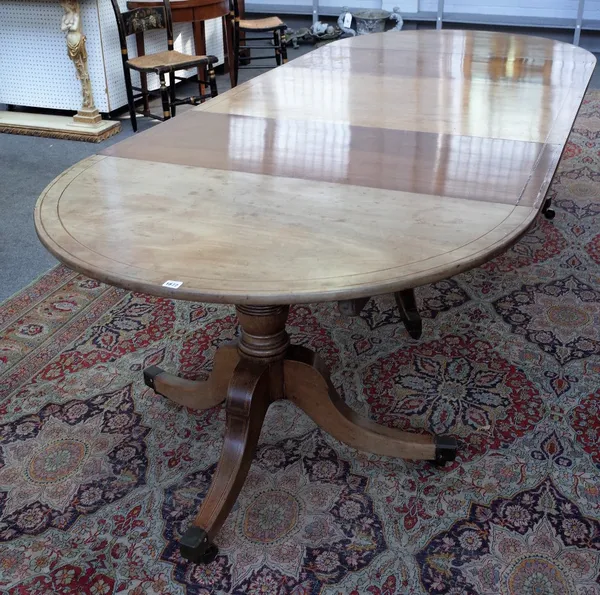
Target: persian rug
(99,476)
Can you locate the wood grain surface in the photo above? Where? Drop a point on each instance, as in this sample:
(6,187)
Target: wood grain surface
(370,165)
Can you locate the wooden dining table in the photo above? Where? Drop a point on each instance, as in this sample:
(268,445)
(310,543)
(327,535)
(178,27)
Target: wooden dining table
(371,165)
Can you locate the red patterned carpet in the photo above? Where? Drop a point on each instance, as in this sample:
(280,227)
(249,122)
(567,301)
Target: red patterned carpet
(98,476)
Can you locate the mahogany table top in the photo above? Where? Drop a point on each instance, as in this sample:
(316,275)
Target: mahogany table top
(369,165)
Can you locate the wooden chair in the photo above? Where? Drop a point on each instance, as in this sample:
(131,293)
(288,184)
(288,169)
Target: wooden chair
(147,19)
(242,50)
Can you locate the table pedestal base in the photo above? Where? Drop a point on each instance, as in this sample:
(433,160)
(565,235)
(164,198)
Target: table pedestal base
(261,369)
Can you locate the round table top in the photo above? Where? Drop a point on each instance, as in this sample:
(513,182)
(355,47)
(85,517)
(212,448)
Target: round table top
(370,165)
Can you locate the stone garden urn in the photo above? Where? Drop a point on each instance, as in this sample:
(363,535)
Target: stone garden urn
(371,21)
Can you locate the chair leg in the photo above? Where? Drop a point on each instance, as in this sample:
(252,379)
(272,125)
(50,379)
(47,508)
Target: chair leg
(212,82)
(141,51)
(145,93)
(172,92)
(200,49)
(284,57)
(236,54)
(277,43)
(130,101)
(164,95)
(228,45)
(407,305)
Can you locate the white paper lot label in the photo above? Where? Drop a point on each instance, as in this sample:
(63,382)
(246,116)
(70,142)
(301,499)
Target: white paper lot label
(173,284)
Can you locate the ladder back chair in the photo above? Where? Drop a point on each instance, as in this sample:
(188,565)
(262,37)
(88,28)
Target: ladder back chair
(168,62)
(242,49)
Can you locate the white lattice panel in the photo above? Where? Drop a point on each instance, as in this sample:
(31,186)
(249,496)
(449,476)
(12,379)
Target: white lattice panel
(36,71)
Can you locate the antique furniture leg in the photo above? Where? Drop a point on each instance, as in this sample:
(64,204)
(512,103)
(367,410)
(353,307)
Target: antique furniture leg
(172,97)
(547,209)
(130,100)
(352,307)
(236,61)
(307,385)
(212,81)
(193,393)
(409,313)
(141,51)
(164,95)
(277,44)
(244,55)
(406,304)
(257,381)
(262,369)
(198,30)
(228,47)
(284,57)
(247,403)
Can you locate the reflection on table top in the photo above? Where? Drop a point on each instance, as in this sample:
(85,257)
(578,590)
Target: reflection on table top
(372,164)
